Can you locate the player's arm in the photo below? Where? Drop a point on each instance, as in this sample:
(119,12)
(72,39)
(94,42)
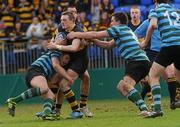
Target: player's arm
(140,32)
(74,47)
(88,35)
(104,44)
(59,69)
(151,27)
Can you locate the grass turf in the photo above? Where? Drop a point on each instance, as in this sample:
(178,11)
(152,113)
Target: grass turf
(107,113)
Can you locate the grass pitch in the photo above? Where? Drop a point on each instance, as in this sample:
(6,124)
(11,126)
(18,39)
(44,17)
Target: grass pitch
(107,113)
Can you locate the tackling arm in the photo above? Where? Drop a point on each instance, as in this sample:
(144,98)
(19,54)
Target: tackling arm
(104,44)
(60,70)
(88,35)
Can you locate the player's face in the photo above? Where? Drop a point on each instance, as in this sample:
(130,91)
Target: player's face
(73,10)
(66,22)
(135,14)
(114,22)
(65,59)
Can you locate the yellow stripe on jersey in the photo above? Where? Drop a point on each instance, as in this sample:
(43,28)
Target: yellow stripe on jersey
(25,13)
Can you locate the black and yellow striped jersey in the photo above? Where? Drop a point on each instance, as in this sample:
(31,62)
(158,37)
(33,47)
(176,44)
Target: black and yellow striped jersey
(25,12)
(8,18)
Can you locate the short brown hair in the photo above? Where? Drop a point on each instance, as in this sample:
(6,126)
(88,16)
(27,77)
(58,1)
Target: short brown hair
(121,17)
(69,14)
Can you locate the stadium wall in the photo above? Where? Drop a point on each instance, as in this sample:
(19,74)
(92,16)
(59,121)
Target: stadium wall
(103,85)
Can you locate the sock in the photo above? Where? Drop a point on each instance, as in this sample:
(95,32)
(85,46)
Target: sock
(156,91)
(145,89)
(70,96)
(47,107)
(172,88)
(33,92)
(178,92)
(83,101)
(58,106)
(149,98)
(135,97)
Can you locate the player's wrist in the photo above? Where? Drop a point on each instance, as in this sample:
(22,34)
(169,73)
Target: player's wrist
(59,47)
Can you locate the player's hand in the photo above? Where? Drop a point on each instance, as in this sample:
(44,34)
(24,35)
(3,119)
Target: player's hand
(142,45)
(71,35)
(85,42)
(51,46)
(71,81)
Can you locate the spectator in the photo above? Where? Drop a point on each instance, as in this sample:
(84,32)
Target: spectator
(95,11)
(18,34)
(83,5)
(9,18)
(84,20)
(3,32)
(135,15)
(107,6)
(35,29)
(26,13)
(104,21)
(35,33)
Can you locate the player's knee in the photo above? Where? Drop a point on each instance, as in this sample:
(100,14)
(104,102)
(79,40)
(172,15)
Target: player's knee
(120,86)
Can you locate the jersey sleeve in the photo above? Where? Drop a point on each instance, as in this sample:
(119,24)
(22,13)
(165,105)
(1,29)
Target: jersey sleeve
(113,32)
(140,32)
(55,54)
(152,14)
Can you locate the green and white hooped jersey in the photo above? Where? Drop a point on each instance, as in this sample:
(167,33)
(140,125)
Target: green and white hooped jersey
(127,43)
(168,23)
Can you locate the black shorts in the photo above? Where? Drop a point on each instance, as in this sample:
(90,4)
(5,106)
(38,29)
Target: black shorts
(169,55)
(31,73)
(151,55)
(137,70)
(78,65)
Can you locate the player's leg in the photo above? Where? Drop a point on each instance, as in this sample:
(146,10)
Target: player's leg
(135,71)
(36,83)
(146,91)
(126,87)
(154,76)
(178,92)
(171,81)
(69,94)
(54,86)
(177,73)
(85,86)
(39,87)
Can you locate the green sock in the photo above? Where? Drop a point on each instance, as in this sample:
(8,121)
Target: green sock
(33,92)
(134,96)
(47,107)
(156,91)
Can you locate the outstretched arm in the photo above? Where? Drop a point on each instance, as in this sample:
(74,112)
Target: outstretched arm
(104,44)
(88,35)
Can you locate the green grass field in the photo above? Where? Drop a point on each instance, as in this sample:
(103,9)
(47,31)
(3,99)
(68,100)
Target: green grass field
(107,113)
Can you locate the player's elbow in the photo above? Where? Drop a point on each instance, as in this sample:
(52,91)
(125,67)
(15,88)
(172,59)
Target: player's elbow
(55,66)
(75,49)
